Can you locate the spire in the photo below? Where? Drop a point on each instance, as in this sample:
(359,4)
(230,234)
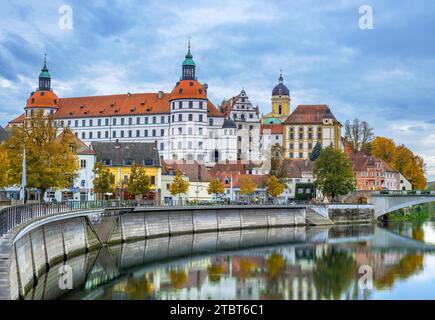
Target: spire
(281,79)
(44,76)
(188,66)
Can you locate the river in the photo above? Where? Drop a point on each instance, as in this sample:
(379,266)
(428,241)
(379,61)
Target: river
(339,262)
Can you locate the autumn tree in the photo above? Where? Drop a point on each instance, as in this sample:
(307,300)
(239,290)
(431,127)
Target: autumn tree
(358,135)
(178,185)
(277,167)
(247,186)
(138,182)
(51,159)
(274,186)
(104,181)
(216,187)
(402,159)
(5,180)
(333,173)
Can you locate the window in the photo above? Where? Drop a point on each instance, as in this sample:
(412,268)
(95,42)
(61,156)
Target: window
(162,119)
(154,120)
(200,104)
(114,121)
(99,122)
(153,180)
(200,131)
(76,123)
(122,133)
(190,117)
(251,127)
(129,133)
(90,135)
(300,155)
(179,145)
(137,133)
(128,162)
(83,135)
(190,104)
(154,132)
(130,120)
(106,162)
(210,122)
(82,183)
(122,121)
(83,123)
(180,117)
(162,146)
(180,130)
(138,120)
(106,134)
(146,133)
(200,118)
(239,138)
(107,122)
(99,134)
(200,145)
(146,120)
(90,122)
(82,163)
(301,146)
(162,132)
(180,105)
(190,130)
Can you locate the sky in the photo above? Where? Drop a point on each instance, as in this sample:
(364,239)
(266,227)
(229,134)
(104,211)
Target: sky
(383,75)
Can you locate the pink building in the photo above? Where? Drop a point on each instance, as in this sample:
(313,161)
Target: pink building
(373,174)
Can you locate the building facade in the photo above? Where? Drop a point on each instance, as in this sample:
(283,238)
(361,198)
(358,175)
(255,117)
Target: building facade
(307,125)
(184,123)
(247,121)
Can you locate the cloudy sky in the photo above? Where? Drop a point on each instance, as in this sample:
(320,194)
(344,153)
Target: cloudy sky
(384,75)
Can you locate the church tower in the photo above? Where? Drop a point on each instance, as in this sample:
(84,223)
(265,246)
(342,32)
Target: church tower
(280,104)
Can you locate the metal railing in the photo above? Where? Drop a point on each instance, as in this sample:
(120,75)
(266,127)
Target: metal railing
(13,216)
(404,193)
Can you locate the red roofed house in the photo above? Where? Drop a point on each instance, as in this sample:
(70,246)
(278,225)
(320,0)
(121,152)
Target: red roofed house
(184,123)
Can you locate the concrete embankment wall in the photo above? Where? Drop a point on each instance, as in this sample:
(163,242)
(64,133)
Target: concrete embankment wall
(35,247)
(149,224)
(351,213)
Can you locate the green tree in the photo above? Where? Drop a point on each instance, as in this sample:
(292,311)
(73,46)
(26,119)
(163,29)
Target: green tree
(247,186)
(333,173)
(215,187)
(178,185)
(104,180)
(274,186)
(138,183)
(51,159)
(316,152)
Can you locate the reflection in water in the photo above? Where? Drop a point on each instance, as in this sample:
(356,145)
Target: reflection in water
(292,263)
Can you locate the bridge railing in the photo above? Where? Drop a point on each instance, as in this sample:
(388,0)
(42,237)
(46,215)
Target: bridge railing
(403,192)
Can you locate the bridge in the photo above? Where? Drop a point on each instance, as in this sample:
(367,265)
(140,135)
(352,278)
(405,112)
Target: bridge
(389,201)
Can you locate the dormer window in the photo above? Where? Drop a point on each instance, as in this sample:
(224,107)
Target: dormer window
(128,162)
(180,91)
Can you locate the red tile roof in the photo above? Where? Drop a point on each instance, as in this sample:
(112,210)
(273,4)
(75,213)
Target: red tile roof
(361,161)
(185,89)
(271,129)
(19,119)
(306,114)
(197,172)
(42,99)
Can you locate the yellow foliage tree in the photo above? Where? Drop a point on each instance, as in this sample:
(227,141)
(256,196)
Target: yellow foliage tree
(215,187)
(178,185)
(247,186)
(4,168)
(402,159)
(138,183)
(274,186)
(104,180)
(51,159)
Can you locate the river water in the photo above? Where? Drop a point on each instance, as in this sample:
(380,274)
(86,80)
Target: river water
(339,262)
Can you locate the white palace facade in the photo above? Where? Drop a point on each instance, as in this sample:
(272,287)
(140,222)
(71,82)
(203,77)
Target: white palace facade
(184,124)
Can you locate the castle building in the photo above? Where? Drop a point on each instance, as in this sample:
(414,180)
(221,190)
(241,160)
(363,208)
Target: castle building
(280,104)
(184,123)
(247,121)
(307,125)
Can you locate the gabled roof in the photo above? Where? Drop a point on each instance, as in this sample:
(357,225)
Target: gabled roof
(197,172)
(81,147)
(361,161)
(307,114)
(19,119)
(117,152)
(295,167)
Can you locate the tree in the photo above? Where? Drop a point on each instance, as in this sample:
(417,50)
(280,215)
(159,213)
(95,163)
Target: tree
(138,183)
(51,160)
(274,186)
(402,159)
(277,167)
(4,168)
(215,187)
(104,180)
(384,149)
(358,135)
(247,186)
(316,152)
(178,185)
(333,173)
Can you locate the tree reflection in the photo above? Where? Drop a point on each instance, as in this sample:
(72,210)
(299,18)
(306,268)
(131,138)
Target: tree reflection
(275,267)
(178,278)
(246,267)
(140,288)
(333,274)
(214,271)
(409,265)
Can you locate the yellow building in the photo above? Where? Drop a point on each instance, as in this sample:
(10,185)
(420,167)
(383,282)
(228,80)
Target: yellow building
(119,157)
(280,104)
(306,126)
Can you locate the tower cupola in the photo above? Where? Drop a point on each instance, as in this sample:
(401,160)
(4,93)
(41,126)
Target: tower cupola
(188,66)
(44,77)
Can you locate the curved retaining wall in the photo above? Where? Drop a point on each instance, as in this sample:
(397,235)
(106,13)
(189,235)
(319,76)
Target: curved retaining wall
(28,252)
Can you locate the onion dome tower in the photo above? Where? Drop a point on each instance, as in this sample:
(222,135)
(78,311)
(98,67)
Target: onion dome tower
(280,103)
(44,98)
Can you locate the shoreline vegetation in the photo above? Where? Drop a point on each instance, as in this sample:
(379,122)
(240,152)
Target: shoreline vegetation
(419,213)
